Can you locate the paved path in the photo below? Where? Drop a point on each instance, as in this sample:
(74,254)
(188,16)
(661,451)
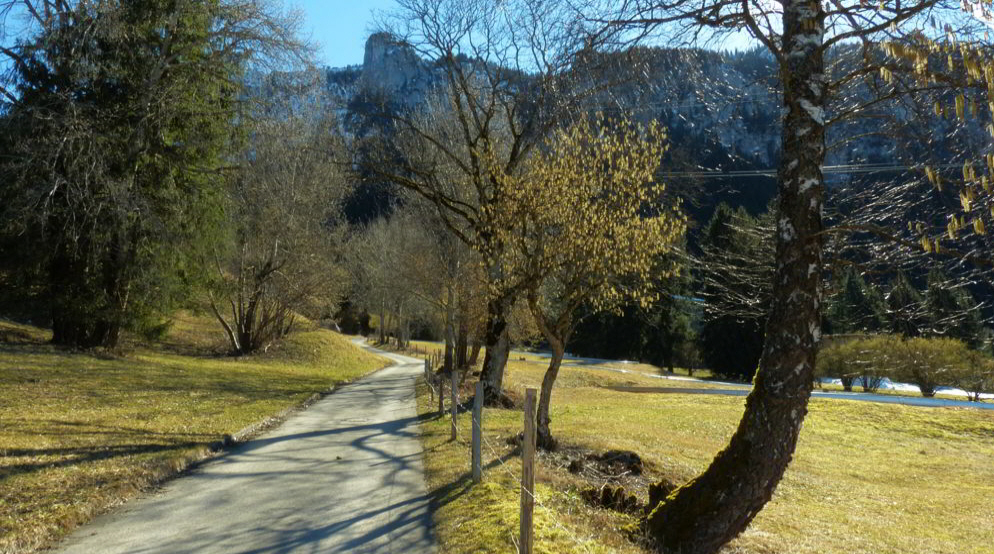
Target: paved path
(743,390)
(343,476)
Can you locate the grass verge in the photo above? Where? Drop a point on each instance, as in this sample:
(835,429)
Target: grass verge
(866,478)
(80,433)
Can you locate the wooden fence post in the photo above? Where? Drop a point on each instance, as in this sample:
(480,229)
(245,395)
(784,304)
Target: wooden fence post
(454,388)
(429,381)
(478,433)
(526,540)
(441,393)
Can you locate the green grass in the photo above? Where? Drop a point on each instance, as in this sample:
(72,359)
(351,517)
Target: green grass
(80,433)
(866,478)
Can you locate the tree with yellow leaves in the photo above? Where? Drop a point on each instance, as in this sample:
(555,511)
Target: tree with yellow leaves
(588,227)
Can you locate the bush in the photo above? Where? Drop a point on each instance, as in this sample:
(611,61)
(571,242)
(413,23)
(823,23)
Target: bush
(929,362)
(975,375)
(874,359)
(835,362)
(864,361)
(926,362)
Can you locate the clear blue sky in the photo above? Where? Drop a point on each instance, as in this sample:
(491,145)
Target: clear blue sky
(339,26)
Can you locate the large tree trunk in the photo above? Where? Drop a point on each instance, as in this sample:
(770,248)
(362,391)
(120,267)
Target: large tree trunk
(714,508)
(498,345)
(544,438)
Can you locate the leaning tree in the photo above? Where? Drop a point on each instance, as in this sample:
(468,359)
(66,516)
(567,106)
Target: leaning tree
(886,60)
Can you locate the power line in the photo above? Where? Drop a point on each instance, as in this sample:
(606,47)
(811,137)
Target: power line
(827,170)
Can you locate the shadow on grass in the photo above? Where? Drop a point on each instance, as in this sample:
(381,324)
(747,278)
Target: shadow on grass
(72,456)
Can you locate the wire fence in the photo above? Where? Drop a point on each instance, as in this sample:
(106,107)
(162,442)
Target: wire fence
(551,512)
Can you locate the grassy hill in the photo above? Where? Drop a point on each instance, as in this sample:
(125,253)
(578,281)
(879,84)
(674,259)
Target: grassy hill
(82,432)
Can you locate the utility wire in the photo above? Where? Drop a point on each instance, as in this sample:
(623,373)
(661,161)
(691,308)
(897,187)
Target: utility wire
(827,170)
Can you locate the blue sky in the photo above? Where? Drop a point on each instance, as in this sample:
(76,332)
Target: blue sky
(339,26)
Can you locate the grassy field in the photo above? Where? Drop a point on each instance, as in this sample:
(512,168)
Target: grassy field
(80,433)
(866,478)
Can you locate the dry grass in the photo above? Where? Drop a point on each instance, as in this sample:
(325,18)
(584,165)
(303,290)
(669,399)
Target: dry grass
(80,433)
(866,478)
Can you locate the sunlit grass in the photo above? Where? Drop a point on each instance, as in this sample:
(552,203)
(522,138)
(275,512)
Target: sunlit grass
(866,478)
(80,433)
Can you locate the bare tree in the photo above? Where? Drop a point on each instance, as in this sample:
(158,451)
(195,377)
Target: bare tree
(508,73)
(283,200)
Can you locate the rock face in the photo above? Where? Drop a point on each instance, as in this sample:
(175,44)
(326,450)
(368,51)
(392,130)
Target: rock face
(393,69)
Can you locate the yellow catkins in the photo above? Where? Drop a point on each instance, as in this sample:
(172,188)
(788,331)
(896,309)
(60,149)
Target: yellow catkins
(979,227)
(965,201)
(960,104)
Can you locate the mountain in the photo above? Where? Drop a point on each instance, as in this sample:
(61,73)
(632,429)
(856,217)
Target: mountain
(721,110)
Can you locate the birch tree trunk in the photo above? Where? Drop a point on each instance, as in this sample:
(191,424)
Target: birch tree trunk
(715,507)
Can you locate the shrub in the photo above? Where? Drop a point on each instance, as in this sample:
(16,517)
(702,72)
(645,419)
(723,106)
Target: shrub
(975,375)
(875,360)
(865,361)
(929,362)
(835,362)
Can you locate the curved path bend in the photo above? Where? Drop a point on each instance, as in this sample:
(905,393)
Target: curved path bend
(345,475)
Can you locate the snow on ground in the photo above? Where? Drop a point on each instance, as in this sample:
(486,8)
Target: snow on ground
(907,387)
(740,389)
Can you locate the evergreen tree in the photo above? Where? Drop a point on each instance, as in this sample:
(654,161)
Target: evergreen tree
(734,276)
(668,332)
(952,311)
(857,306)
(114,145)
(904,307)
